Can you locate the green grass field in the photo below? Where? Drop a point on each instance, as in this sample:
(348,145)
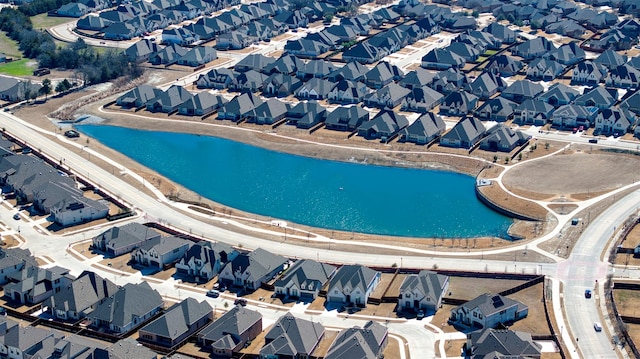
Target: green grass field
(17,68)
(43,21)
(8,46)
(490,52)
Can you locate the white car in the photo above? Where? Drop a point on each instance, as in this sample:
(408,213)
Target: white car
(597,327)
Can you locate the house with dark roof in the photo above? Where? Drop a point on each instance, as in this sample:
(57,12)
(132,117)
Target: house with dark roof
(346,118)
(352,285)
(128,308)
(599,97)
(33,285)
(305,48)
(249,81)
(465,134)
(13,260)
(315,69)
(281,85)
(610,59)
(116,241)
(624,76)
(521,90)
(501,343)
(304,279)
(250,270)
(535,112)
(233,40)
(496,109)
(458,103)
(423,130)
(292,337)
(566,28)
(486,85)
(216,78)
(141,50)
(160,252)
(502,32)
(348,92)
(449,81)
(632,103)
(285,64)
(306,114)
(567,54)
(314,89)
(504,139)
(80,297)
(168,55)
(467,52)
(138,96)
(488,311)
(18,342)
(169,100)
(544,69)
(573,116)
(204,260)
(442,59)
(504,65)
(388,96)
(203,103)
(353,71)
(366,342)
(269,112)
(382,74)
(614,121)
(197,56)
(423,291)
(94,23)
(229,333)
(533,48)
(558,94)
(364,52)
(177,324)
(417,78)
(240,107)
(78,209)
(421,99)
(256,62)
(588,73)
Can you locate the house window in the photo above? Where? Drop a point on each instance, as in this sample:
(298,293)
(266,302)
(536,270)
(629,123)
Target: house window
(475,315)
(408,295)
(428,299)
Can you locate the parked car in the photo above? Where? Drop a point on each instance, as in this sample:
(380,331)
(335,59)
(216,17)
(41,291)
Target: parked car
(420,315)
(213,293)
(72,133)
(16,216)
(593,140)
(587,293)
(597,327)
(241,301)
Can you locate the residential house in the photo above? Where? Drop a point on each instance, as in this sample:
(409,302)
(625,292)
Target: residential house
(458,103)
(573,116)
(501,343)
(80,297)
(421,99)
(292,337)
(33,285)
(315,69)
(442,59)
(382,74)
(486,85)
(304,279)
(250,270)
(353,71)
(544,69)
(305,48)
(203,103)
(18,342)
(588,73)
(269,112)
(250,81)
(234,40)
(239,108)
(285,64)
(347,91)
(177,324)
(47,194)
(632,103)
(78,209)
(168,55)
(204,260)
(346,118)
(566,28)
(160,252)
(496,109)
(533,48)
(388,96)
(533,112)
(467,52)
(503,139)
(567,54)
(168,101)
(417,78)
(13,260)
(306,114)
(614,121)
(610,59)
(256,62)
(93,23)
(131,306)
(449,81)
(126,348)
(423,130)
(599,97)
(465,134)
(352,285)
(198,56)
(364,52)
(504,65)
(216,78)
(229,333)
(180,35)
(14,90)
(281,85)
(121,31)
(366,342)
(488,311)
(314,89)
(624,76)
(116,241)
(423,291)
(558,94)
(502,32)
(521,90)
(141,50)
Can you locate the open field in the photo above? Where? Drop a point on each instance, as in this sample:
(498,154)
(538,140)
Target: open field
(22,67)
(8,46)
(44,21)
(627,302)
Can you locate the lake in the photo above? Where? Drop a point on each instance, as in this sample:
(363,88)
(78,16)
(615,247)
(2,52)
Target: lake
(318,193)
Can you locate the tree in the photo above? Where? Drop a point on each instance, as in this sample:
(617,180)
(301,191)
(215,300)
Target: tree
(46,88)
(475,14)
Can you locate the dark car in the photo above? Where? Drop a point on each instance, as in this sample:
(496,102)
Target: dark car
(241,301)
(72,133)
(593,140)
(587,293)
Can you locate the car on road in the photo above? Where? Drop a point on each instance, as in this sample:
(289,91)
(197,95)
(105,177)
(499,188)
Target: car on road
(72,133)
(213,293)
(16,216)
(420,315)
(587,293)
(241,301)
(593,140)
(597,327)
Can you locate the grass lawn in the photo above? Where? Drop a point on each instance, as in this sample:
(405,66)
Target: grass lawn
(8,46)
(490,52)
(43,21)
(17,68)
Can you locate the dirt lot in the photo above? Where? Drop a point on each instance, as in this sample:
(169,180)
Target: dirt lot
(627,302)
(467,288)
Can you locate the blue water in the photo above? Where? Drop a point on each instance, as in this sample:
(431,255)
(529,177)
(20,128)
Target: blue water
(318,193)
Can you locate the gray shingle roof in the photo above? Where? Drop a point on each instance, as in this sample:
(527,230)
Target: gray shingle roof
(82,293)
(309,273)
(490,304)
(178,319)
(354,276)
(503,342)
(291,336)
(427,282)
(235,322)
(365,342)
(132,300)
